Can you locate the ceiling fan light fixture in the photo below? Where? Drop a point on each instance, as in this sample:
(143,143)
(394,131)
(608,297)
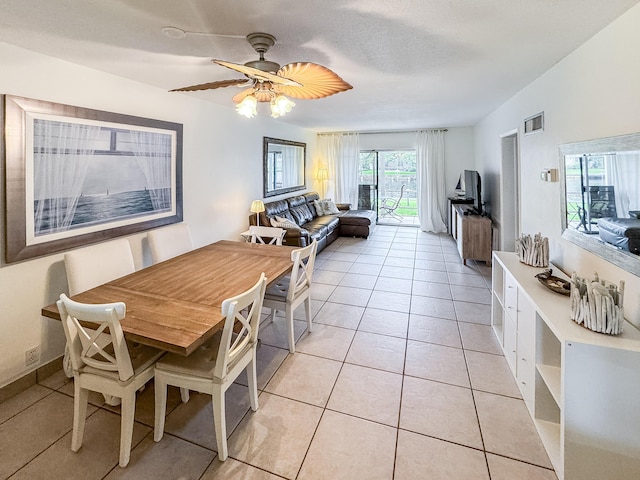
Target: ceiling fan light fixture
(271,82)
(248,107)
(280,106)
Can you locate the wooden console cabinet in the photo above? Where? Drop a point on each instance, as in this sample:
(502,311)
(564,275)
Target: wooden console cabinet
(472,234)
(451,201)
(581,388)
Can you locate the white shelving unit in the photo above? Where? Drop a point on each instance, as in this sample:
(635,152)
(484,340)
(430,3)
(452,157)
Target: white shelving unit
(582,388)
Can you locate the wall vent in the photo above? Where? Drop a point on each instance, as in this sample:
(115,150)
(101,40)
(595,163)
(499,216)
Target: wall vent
(534,123)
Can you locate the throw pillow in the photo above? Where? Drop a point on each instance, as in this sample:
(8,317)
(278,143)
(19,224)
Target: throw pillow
(319,210)
(329,207)
(282,222)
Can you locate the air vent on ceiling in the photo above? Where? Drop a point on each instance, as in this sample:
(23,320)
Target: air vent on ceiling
(534,123)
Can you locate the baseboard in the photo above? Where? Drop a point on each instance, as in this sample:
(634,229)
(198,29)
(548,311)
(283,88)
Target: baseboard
(30,379)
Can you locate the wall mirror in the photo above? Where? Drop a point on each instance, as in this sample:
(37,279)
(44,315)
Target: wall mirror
(601,198)
(283,166)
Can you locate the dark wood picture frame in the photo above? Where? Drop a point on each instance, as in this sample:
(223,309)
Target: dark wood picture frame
(17,113)
(270,190)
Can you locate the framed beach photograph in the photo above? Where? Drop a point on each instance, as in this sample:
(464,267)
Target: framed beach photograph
(75,176)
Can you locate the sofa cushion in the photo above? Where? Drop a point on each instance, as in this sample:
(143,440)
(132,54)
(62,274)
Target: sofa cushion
(317,231)
(310,199)
(276,208)
(358,217)
(326,223)
(299,209)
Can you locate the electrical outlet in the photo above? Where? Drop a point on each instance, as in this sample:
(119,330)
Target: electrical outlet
(32,356)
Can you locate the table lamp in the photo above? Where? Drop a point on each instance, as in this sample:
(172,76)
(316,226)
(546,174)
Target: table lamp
(257,206)
(322,176)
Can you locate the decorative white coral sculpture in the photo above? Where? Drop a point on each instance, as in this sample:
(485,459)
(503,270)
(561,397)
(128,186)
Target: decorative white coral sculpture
(533,251)
(597,304)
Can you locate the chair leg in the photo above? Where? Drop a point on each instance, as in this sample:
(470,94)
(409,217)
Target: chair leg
(219,421)
(252,379)
(127,414)
(270,318)
(111,400)
(289,319)
(307,311)
(160,407)
(80,400)
(184,394)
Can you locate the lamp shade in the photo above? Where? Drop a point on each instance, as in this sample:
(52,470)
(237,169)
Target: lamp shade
(280,106)
(248,107)
(323,174)
(257,206)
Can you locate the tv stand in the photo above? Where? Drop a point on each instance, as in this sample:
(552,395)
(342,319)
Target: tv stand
(451,202)
(472,233)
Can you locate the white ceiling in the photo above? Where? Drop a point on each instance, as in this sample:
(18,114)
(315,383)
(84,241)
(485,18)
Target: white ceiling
(412,63)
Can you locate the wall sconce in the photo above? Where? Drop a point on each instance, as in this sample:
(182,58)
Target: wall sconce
(257,206)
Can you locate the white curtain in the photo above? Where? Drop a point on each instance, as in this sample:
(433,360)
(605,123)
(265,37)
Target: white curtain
(153,154)
(341,153)
(431,191)
(622,170)
(290,166)
(62,152)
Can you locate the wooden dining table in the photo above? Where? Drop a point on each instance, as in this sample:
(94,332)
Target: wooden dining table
(175,305)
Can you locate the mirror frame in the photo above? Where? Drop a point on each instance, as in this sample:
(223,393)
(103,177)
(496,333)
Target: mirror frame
(265,166)
(622,143)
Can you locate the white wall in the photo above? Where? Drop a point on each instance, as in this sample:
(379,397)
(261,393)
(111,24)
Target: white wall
(592,93)
(458,149)
(222,171)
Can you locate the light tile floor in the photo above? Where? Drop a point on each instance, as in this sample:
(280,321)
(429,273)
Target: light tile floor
(401,378)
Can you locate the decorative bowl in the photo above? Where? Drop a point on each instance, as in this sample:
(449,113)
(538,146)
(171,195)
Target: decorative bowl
(555,284)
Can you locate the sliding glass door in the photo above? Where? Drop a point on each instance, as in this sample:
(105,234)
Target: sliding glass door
(368,181)
(388,185)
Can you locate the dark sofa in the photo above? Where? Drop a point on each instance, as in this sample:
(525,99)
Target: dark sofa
(325,229)
(624,233)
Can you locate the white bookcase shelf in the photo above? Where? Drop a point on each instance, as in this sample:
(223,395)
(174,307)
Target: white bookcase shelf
(581,387)
(551,377)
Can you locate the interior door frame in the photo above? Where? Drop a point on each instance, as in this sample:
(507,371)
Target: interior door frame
(510,189)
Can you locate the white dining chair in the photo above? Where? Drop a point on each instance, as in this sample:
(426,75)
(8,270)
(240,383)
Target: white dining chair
(293,290)
(213,367)
(261,234)
(113,369)
(169,242)
(91,266)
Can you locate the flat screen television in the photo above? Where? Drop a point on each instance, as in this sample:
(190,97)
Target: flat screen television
(473,189)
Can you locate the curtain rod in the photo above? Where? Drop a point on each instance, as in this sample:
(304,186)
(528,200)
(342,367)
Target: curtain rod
(389,131)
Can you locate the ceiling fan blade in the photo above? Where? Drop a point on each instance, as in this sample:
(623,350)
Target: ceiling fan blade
(315,81)
(211,85)
(258,74)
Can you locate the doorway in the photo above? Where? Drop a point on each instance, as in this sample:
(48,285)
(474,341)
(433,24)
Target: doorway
(387,184)
(509,192)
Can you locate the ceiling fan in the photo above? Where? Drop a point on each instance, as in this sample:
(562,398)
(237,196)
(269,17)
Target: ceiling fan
(268,82)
